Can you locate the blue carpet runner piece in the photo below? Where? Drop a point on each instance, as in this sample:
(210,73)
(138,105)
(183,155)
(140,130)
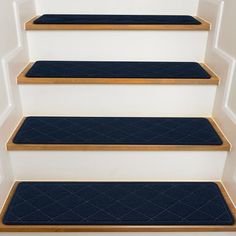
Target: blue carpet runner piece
(117,19)
(117,203)
(117,130)
(102,69)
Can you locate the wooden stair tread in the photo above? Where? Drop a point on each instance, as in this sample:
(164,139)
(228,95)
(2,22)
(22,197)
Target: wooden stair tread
(119,228)
(30,25)
(24,78)
(110,143)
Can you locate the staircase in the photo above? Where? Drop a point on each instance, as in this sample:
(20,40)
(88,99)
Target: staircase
(117,133)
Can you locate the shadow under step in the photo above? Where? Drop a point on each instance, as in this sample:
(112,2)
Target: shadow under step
(116,22)
(117,207)
(116,72)
(118,133)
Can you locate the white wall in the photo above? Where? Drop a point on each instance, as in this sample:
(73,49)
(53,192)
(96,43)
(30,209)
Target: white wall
(13,55)
(221,56)
(227,37)
(227,42)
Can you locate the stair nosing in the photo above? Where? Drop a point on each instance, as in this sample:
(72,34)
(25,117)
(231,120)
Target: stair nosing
(204,26)
(118,228)
(11,146)
(22,79)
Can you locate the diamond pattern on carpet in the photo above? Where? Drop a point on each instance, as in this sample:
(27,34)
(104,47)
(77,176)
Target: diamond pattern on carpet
(105,69)
(117,19)
(117,130)
(117,203)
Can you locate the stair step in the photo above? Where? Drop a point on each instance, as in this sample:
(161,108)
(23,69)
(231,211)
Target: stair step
(116,72)
(117,206)
(116,22)
(117,133)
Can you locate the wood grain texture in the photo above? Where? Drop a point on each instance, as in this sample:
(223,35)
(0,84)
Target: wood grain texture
(93,147)
(118,228)
(22,79)
(31,26)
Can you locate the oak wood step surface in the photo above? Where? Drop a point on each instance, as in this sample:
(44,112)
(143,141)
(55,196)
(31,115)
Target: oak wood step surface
(115,134)
(119,228)
(80,72)
(127,23)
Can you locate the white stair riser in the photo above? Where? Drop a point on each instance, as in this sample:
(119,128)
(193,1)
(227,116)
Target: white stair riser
(118,165)
(118,100)
(118,6)
(118,45)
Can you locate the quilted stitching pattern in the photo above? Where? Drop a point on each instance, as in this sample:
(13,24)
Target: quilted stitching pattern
(119,203)
(116,19)
(108,130)
(92,69)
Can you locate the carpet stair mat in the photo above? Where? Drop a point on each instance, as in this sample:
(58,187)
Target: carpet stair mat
(116,19)
(117,130)
(105,69)
(117,203)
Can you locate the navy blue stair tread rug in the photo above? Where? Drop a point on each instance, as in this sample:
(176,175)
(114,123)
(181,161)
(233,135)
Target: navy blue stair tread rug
(117,131)
(105,69)
(118,203)
(116,19)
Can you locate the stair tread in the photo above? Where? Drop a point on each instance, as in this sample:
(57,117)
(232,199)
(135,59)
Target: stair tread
(116,19)
(117,72)
(114,206)
(107,21)
(117,133)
